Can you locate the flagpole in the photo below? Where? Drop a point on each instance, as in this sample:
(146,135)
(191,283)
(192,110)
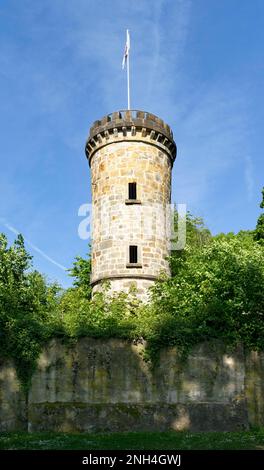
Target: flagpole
(128,83)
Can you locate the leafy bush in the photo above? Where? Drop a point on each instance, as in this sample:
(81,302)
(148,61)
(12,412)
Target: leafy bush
(103,316)
(259,232)
(81,272)
(216,291)
(27,305)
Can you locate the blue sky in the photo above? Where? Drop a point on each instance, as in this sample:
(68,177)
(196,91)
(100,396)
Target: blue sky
(198,64)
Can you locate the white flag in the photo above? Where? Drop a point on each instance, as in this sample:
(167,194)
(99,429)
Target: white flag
(127,47)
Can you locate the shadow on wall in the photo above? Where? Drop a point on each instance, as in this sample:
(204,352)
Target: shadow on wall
(13,409)
(105,385)
(254,387)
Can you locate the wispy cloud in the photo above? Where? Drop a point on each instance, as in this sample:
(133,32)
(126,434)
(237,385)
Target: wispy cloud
(33,246)
(158,35)
(249,176)
(60,69)
(166,50)
(212,130)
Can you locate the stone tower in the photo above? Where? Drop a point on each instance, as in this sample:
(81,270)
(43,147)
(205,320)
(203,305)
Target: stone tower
(131,154)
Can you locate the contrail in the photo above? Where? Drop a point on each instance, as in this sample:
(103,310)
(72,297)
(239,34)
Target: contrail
(34,247)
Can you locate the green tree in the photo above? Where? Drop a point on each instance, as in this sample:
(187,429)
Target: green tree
(218,292)
(81,272)
(27,304)
(197,235)
(259,232)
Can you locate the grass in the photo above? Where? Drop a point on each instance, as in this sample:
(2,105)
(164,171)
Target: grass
(253,439)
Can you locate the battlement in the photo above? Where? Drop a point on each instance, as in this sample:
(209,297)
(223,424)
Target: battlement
(130,125)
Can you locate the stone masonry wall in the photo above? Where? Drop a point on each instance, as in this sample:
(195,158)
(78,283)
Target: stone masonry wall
(130,147)
(105,385)
(12,400)
(117,224)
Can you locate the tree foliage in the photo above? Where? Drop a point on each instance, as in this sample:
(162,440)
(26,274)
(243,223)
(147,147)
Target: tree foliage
(27,305)
(197,235)
(259,232)
(216,291)
(81,272)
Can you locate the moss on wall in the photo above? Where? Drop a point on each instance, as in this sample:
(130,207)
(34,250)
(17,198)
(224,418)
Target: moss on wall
(106,385)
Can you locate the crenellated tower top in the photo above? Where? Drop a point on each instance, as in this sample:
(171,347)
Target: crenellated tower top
(130,125)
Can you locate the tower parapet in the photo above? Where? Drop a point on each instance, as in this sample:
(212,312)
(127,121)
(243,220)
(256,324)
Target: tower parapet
(131,154)
(130,125)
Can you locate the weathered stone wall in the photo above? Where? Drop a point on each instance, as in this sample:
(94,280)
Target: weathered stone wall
(122,152)
(12,400)
(254,387)
(105,385)
(116,225)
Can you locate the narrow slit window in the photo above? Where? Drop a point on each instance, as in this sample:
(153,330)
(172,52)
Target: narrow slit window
(132,190)
(133,254)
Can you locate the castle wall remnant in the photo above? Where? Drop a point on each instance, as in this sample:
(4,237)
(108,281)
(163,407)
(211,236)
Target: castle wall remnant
(105,385)
(131,154)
